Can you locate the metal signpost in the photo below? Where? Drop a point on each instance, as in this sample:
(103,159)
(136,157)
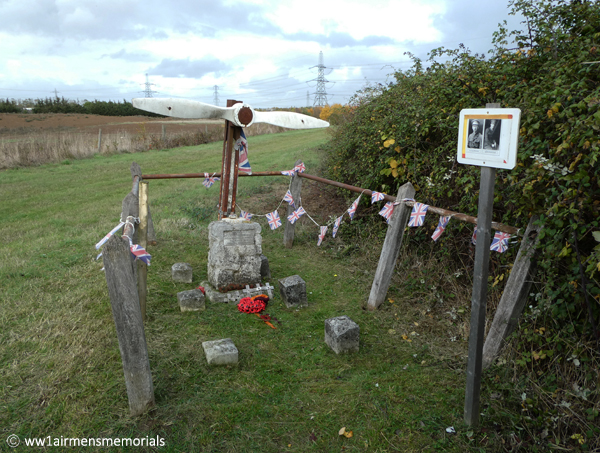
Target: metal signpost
(487,138)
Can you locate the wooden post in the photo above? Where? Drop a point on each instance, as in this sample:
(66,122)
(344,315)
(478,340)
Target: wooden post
(295,189)
(391,248)
(514,296)
(164,133)
(125,305)
(99,141)
(479,297)
(143,241)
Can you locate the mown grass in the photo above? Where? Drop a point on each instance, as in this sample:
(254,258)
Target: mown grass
(60,365)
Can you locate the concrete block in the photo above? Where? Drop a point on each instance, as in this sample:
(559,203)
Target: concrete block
(192,300)
(342,334)
(220,352)
(293,291)
(181,272)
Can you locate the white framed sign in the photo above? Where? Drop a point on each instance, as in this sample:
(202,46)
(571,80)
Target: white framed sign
(489,137)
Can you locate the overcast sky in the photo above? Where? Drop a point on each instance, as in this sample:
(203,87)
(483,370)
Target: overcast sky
(263,52)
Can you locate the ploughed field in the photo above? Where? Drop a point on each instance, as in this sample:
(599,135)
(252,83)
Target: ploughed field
(27,123)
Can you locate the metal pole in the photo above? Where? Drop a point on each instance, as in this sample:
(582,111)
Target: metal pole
(479,297)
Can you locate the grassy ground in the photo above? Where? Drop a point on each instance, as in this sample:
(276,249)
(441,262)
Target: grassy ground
(60,365)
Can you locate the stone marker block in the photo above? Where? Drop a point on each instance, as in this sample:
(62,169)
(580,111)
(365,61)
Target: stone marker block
(342,334)
(192,300)
(293,291)
(265,270)
(181,272)
(235,247)
(220,352)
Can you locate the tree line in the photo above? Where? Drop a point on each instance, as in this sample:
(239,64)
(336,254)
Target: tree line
(63,105)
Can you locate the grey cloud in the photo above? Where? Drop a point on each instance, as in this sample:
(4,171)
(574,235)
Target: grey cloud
(194,69)
(338,39)
(129,56)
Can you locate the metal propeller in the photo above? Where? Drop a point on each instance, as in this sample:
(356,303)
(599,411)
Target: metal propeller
(240,114)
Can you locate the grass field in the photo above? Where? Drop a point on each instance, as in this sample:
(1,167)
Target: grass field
(60,366)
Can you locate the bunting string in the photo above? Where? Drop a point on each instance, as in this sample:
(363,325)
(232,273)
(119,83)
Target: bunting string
(417,217)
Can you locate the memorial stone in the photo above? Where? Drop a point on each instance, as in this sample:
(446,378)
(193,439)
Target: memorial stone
(293,291)
(192,300)
(342,334)
(234,257)
(181,272)
(220,352)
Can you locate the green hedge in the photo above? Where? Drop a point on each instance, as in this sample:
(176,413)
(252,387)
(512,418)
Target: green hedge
(408,131)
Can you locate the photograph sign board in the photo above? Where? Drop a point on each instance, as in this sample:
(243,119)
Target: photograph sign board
(489,137)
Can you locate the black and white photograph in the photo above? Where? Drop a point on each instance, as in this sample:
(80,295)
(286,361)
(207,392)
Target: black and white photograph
(491,135)
(475,139)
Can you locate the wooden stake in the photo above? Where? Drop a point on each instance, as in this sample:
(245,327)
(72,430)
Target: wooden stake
(391,248)
(99,141)
(514,296)
(122,290)
(295,189)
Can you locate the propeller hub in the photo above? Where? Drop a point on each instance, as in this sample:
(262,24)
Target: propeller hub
(244,115)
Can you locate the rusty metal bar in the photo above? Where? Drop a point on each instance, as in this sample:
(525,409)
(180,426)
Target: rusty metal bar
(201,175)
(444,212)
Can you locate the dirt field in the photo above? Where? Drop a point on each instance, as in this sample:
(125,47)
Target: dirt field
(26,123)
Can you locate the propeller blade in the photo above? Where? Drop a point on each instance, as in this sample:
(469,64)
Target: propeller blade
(183,108)
(291,120)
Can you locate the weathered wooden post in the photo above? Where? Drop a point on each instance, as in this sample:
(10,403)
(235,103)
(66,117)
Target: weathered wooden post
(391,248)
(122,290)
(295,189)
(479,296)
(143,241)
(99,141)
(514,296)
(490,152)
(164,133)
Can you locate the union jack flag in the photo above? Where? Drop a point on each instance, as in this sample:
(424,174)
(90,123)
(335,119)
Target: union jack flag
(288,197)
(387,211)
(274,220)
(474,238)
(322,234)
(288,172)
(300,168)
(336,225)
(241,145)
(417,216)
(500,242)
(296,215)
(209,180)
(140,253)
(352,209)
(441,227)
(246,215)
(110,233)
(376,196)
